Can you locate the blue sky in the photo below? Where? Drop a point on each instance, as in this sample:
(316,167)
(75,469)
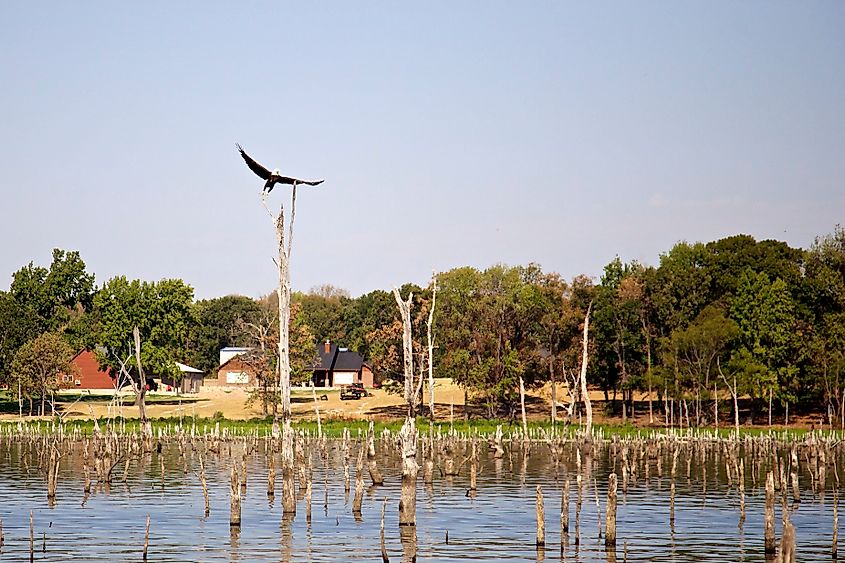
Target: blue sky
(449,134)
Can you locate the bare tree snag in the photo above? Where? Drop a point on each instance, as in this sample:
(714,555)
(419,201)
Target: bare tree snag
(359,483)
(408,499)
(522,406)
(541,519)
(283,377)
(372,464)
(140,389)
(770,543)
(585,355)
(288,487)
(283,293)
(610,514)
(431,347)
(234,499)
(407,349)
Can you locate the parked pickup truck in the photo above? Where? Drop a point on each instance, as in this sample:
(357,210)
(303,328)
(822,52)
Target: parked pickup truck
(353,392)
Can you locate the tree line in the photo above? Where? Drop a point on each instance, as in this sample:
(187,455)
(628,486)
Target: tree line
(730,318)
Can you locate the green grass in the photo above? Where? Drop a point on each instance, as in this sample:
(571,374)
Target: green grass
(333,428)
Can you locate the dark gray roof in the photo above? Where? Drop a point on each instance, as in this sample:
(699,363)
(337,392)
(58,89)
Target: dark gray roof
(337,359)
(325,361)
(347,360)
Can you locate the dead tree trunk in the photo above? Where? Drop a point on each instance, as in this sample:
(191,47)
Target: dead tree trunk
(408,499)
(141,390)
(408,350)
(283,293)
(408,434)
(431,347)
(372,463)
(588,407)
(283,377)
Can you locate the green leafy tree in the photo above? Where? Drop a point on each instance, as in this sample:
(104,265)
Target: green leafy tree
(764,312)
(51,296)
(697,351)
(16,328)
(217,323)
(161,311)
(39,365)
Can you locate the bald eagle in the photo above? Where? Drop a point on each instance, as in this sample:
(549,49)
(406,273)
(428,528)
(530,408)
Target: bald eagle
(274,177)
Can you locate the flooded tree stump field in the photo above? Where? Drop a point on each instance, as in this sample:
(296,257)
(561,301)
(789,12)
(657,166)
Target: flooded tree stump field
(212,495)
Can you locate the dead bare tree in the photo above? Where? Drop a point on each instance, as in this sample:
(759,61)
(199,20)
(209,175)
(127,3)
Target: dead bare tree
(283,293)
(431,347)
(408,434)
(283,378)
(588,407)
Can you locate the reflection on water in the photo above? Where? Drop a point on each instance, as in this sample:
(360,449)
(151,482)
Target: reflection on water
(696,517)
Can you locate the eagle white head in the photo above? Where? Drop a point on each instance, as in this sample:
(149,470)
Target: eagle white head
(276,172)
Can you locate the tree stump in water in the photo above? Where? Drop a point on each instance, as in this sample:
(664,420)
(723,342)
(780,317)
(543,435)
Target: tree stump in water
(541,519)
(235,500)
(288,487)
(610,514)
(375,474)
(408,501)
(770,546)
(359,483)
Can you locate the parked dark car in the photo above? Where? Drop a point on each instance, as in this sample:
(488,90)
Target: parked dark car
(353,392)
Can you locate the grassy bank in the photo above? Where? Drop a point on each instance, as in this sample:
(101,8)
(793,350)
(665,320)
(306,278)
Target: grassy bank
(333,428)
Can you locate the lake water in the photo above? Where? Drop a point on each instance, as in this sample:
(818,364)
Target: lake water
(498,524)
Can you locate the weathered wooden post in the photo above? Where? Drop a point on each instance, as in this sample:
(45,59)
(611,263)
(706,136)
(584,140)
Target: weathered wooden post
(203,484)
(541,519)
(672,506)
(408,501)
(384,557)
(834,548)
(147,538)
(235,500)
(787,543)
(770,544)
(375,474)
(345,450)
(473,466)
(741,492)
(359,483)
(52,474)
(578,500)
(793,475)
(564,511)
(308,493)
(271,476)
(610,514)
(31,538)
(288,470)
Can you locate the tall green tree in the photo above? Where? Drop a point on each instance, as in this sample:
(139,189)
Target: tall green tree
(765,314)
(217,323)
(16,328)
(51,296)
(39,365)
(161,311)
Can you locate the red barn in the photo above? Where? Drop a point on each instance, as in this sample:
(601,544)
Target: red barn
(88,374)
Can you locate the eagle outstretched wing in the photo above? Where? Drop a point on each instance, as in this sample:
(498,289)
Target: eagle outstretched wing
(287,180)
(262,172)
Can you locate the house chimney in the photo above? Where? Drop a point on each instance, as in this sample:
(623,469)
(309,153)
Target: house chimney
(327,346)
